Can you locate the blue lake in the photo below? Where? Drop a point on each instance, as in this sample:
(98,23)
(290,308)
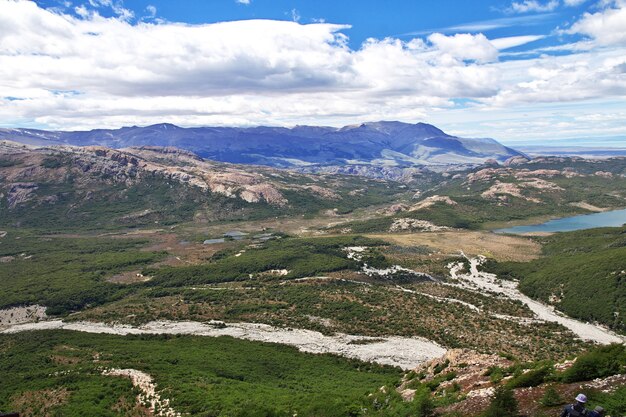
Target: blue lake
(613,218)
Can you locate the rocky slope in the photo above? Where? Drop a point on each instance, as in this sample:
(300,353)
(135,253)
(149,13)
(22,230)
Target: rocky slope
(141,184)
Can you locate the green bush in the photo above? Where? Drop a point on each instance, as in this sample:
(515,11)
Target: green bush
(423,404)
(503,404)
(531,378)
(598,363)
(551,398)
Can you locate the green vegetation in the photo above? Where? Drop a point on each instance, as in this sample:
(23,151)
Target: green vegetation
(334,305)
(70,207)
(199,375)
(301,257)
(503,404)
(65,273)
(614,403)
(473,211)
(597,363)
(584,270)
(551,398)
(531,378)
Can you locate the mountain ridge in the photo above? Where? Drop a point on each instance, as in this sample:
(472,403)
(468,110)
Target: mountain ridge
(383,143)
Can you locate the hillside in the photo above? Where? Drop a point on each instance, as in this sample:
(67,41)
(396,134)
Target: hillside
(181,258)
(582,273)
(382,144)
(518,190)
(97,187)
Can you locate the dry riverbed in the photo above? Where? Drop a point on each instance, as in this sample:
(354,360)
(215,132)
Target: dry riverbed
(404,352)
(483,281)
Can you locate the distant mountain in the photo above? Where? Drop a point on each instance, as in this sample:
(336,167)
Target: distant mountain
(388,144)
(581,151)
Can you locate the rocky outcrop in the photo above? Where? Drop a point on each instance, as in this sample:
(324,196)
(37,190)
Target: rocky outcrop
(432,200)
(468,366)
(408,224)
(91,164)
(516,160)
(19,193)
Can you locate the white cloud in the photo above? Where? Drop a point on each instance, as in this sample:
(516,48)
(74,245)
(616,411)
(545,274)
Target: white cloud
(117,6)
(63,71)
(573,3)
(486,25)
(243,1)
(513,41)
(606,27)
(295,15)
(584,76)
(152,10)
(465,46)
(527,6)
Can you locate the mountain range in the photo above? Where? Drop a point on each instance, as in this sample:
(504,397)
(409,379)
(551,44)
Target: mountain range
(375,144)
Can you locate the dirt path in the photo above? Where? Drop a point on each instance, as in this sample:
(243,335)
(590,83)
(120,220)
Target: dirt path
(404,352)
(484,281)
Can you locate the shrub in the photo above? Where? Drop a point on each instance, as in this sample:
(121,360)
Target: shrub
(598,363)
(423,404)
(440,367)
(531,378)
(503,404)
(551,398)
(495,374)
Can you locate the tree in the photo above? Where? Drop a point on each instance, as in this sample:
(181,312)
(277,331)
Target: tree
(503,404)
(423,403)
(551,398)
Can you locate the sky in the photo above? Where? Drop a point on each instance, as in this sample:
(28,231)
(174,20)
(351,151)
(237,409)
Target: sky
(520,71)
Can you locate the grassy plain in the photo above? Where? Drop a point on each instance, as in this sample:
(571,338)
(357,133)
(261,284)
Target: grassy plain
(472,243)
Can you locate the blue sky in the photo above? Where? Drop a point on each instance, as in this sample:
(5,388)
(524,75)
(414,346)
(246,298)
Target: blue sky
(403,19)
(522,71)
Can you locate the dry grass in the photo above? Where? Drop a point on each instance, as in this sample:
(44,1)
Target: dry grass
(40,403)
(472,243)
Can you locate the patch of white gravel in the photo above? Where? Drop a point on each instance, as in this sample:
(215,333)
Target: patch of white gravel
(481,392)
(357,252)
(484,281)
(19,315)
(148,395)
(442,299)
(404,352)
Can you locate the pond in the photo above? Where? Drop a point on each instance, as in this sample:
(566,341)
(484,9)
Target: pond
(614,218)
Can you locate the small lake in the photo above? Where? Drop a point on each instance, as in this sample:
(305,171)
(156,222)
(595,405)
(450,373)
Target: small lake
(614,218)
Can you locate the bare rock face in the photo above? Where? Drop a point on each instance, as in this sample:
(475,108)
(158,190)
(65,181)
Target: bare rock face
(432,200)
(97,164)
(20,193)
(326,193)
(486,174)
(524,173)
(393,209)
(603,174)
(516,160)
(506,188)
(408,224)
